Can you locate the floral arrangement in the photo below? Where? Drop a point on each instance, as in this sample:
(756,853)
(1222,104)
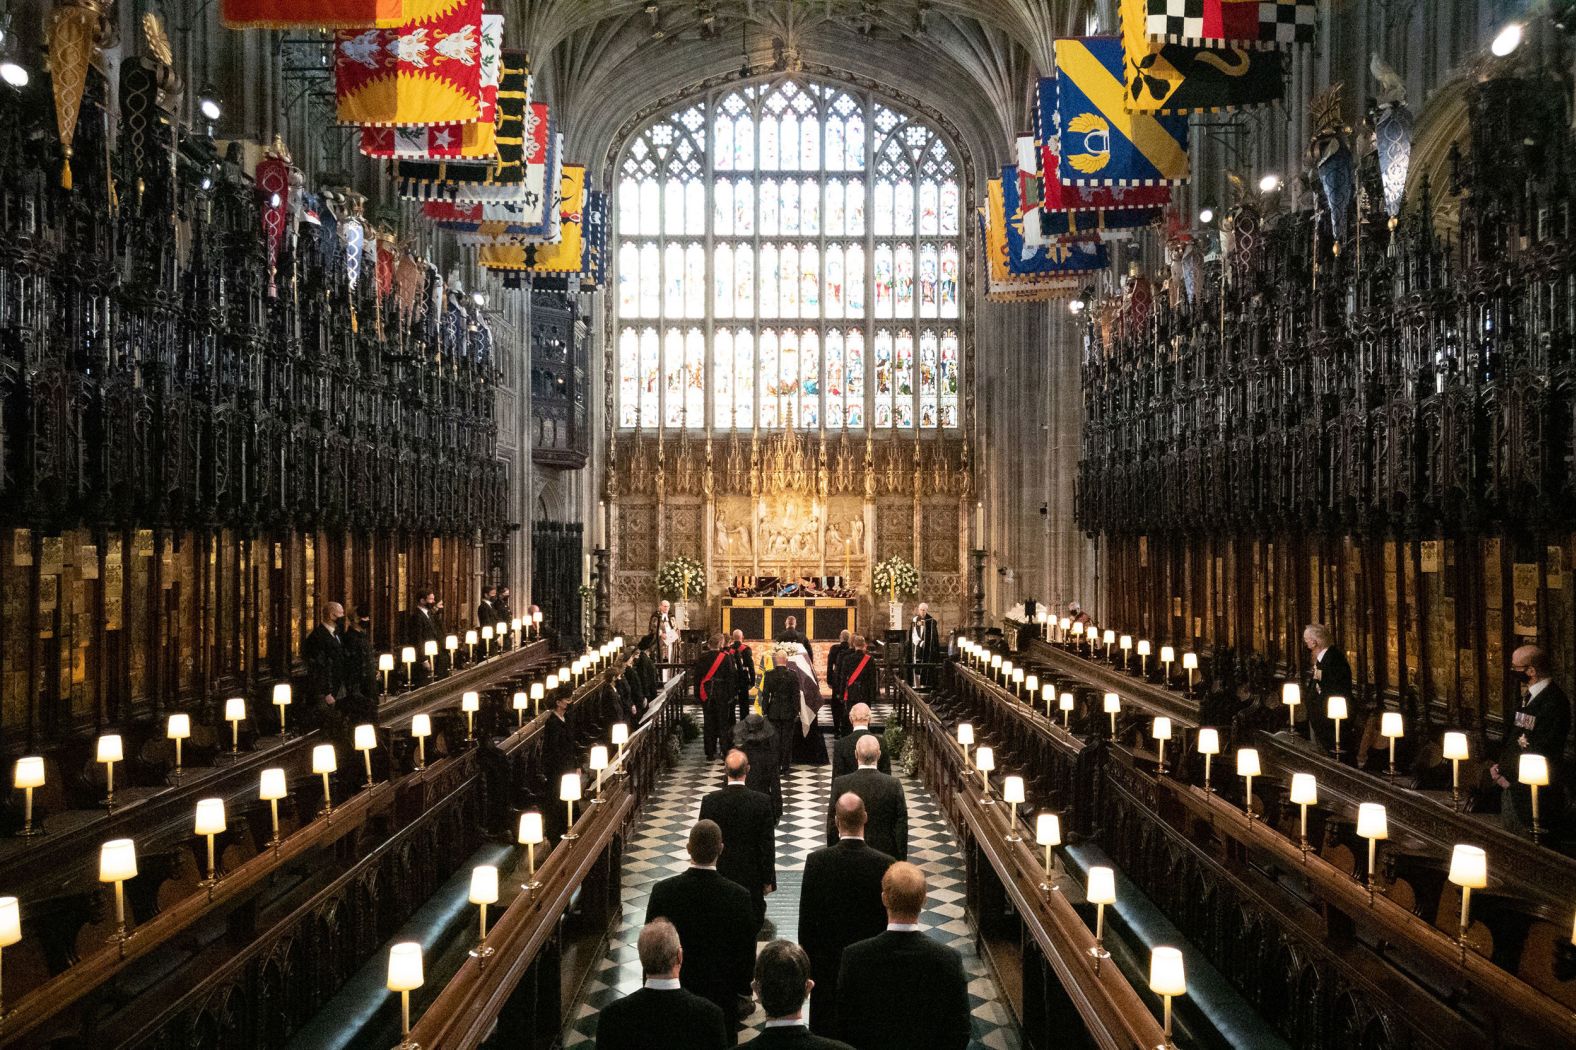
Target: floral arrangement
(896,577)
(681,578)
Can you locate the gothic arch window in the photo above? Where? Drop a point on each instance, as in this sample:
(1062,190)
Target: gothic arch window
(789,252)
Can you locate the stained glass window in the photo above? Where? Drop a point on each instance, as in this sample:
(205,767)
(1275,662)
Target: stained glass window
(768,234)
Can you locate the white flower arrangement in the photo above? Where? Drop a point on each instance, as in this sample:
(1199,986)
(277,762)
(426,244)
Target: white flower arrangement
(681,579)
(897,578)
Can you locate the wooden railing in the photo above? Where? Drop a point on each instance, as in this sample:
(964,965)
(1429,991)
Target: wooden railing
(1107,1005)
(207,947)
(1298,935)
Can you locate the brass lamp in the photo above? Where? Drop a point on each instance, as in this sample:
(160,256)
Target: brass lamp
(1168,656)
(110,751)
(966,741)
(487,637)
(1066,703)
(28,774)
(985,761)
(1291,697)
(209,822)
(407,656)
(500,633)
(471,638)
(282,701)
(1469,870)
(1455,748)
(1048,694)
(569,794)
(619,735)
(235,714)
(1100,891)
(1335,710)
(1190,665)
(537,694)
(470,703)
(385,668)
(1209,747)
(1017,681)
(1161,731)
(1247,769)
(1391,727)
(10,933)
(1304,793)
(1048,833)
(451,645)
(597,764)
(178,728)
(271,787)
(1143,657)
(405,976)
(117,863)
(1126,645)
(530,836)
(521,701)
(1167,979)
(366,738)
(1113,707)
(1533,771)
(484,891)
(1012,794)
(429,649)
(324,763)
(1372,825)
(1108,639)
(421,729)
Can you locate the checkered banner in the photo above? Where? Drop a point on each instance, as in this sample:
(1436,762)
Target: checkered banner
(1263,23)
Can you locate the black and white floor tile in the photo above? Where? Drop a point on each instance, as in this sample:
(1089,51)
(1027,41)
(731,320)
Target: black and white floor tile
(658,852)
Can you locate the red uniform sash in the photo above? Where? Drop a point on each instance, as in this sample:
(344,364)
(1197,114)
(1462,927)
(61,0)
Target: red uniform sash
(855,676)
(714,665)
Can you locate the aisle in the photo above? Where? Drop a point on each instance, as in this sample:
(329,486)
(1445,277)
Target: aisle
(658,851)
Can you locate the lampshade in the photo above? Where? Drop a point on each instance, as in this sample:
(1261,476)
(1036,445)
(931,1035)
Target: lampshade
(407,655)
(1127,642)
(471,701)
(235,709)
(1048,830)
(1017,676)
(117,860)
(1533,770)
(563,673)
(210,817)
(995,662)
(1335,707)
(471,637)
(1469,867)
(10,921)
(1390,724)
(451,642)
(620,734)
(1304,789)
(1078,628)
(598,759)
(487,633)
(1066,702)
(405,967)
(420,725)
(537,618)
(1167,654)
(1165,972)
(1455,746)
(1047,693)
(272,784)
(385,661)
(514,624)
(109,748)
(1012,790)
(366,737)
(323,759)
(1291,694)
(281,693)
(1209,741)
(1109,637)
(1162,728)
(429,647)
(552,681)
(530,829)
(965,733)
(537,692)
(1372,822)
(500,628)
(569,788)
(179,727)
(1247,762)
(1102,886)
(985,758)
(1190,661)
(1143,647)
(1113,704)
(1065,623)
(521,700)
(29,772)
(484,884)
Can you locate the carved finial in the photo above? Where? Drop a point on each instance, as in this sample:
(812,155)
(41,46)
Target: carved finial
(158,42)
(1392,90)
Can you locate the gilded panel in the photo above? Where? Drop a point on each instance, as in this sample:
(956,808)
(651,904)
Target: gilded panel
(940,531)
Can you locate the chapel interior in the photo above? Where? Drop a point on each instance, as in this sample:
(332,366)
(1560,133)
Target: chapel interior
(444,444)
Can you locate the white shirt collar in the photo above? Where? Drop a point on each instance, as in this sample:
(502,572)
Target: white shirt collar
(862,728)
(1319,654)
(662,984)
(785,1022)
(702,867)
(850,838)
(737,784)
(1537,687)
(876,765)
(902,927)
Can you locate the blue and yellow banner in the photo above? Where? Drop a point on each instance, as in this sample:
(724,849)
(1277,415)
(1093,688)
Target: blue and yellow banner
(1102,143)
(1005,245)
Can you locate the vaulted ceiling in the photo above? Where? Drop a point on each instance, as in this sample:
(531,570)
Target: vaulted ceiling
(602,61)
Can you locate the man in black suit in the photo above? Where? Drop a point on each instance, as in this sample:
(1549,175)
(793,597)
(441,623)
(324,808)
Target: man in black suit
(743,672)
(487,608)
(421,624)
(781,704)
(715,918)
(749,839)
(716,691)
(661,1015)
(843,760)
(1331,675)
(791,632)
(782,982)
(834,678)
(924,645)
(887,809)
(358,671)
(901,989)
(324,658)
(558,758)
(1540,726)
(861,674)
(840,903)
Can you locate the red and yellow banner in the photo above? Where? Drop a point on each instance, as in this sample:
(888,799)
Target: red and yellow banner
(567,255)
(427,71)
(477,141)
(320,14)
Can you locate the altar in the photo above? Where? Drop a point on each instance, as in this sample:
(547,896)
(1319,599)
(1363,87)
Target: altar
(821,619)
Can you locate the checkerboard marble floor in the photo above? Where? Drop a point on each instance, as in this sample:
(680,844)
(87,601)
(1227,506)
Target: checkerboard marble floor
(657,852)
